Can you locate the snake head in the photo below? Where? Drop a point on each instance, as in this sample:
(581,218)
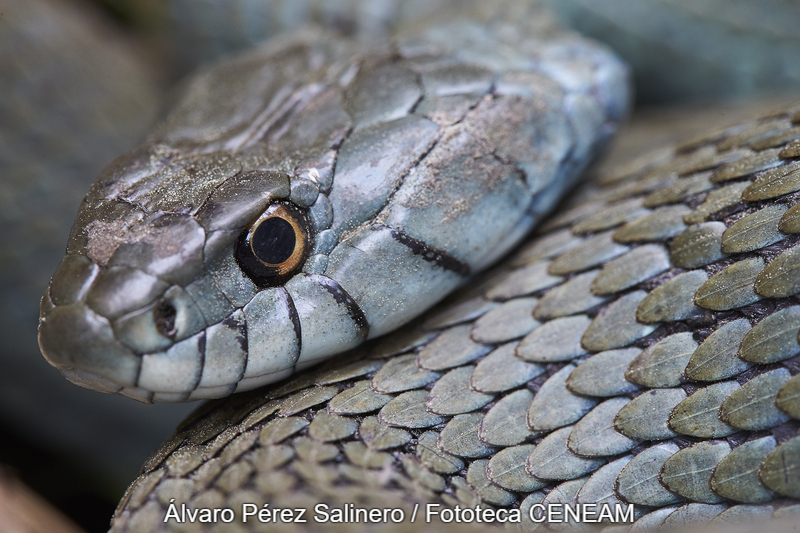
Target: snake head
(303,198)
(170,258)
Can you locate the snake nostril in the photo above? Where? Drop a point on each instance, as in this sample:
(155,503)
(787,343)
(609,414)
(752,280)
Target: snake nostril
(165,315)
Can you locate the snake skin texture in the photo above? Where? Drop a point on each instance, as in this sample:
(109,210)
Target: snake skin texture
(410,164)
(641,349)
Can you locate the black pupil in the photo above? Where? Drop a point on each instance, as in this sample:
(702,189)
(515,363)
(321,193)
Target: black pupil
(273,241)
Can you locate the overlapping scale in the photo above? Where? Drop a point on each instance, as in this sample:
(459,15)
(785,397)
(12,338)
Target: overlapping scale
(698,245)
(642,349)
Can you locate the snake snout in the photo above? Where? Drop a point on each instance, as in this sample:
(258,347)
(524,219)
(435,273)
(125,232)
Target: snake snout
(119,329)
(98,325)
(77,340)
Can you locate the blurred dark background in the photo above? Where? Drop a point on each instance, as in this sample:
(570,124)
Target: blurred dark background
(81,81)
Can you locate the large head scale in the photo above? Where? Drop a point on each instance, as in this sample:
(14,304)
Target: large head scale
(303,198)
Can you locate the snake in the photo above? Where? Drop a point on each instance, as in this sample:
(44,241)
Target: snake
(284,207)
(639,349)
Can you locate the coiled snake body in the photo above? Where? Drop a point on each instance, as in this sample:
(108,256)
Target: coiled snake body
(640,349)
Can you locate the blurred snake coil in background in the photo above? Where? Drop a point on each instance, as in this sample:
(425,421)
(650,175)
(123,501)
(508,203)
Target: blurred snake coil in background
(82,84)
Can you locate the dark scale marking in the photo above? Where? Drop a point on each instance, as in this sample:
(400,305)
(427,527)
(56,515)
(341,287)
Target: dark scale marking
(241,336)
(293,316)
(241,328)
(201,347)
(343,298)
(139,373)
(440,259)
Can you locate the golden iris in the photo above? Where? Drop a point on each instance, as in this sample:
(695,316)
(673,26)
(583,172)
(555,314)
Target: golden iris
(275,245)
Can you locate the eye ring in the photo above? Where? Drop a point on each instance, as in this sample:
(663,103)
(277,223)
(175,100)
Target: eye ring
(274,246)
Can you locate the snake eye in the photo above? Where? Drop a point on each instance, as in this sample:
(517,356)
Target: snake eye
(275,246)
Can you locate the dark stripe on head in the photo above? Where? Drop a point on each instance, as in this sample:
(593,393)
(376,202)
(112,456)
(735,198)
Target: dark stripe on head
(138,373)
(432,255)
(240,328)
(343,298)
(201,348)
(293,316)
(237,323)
